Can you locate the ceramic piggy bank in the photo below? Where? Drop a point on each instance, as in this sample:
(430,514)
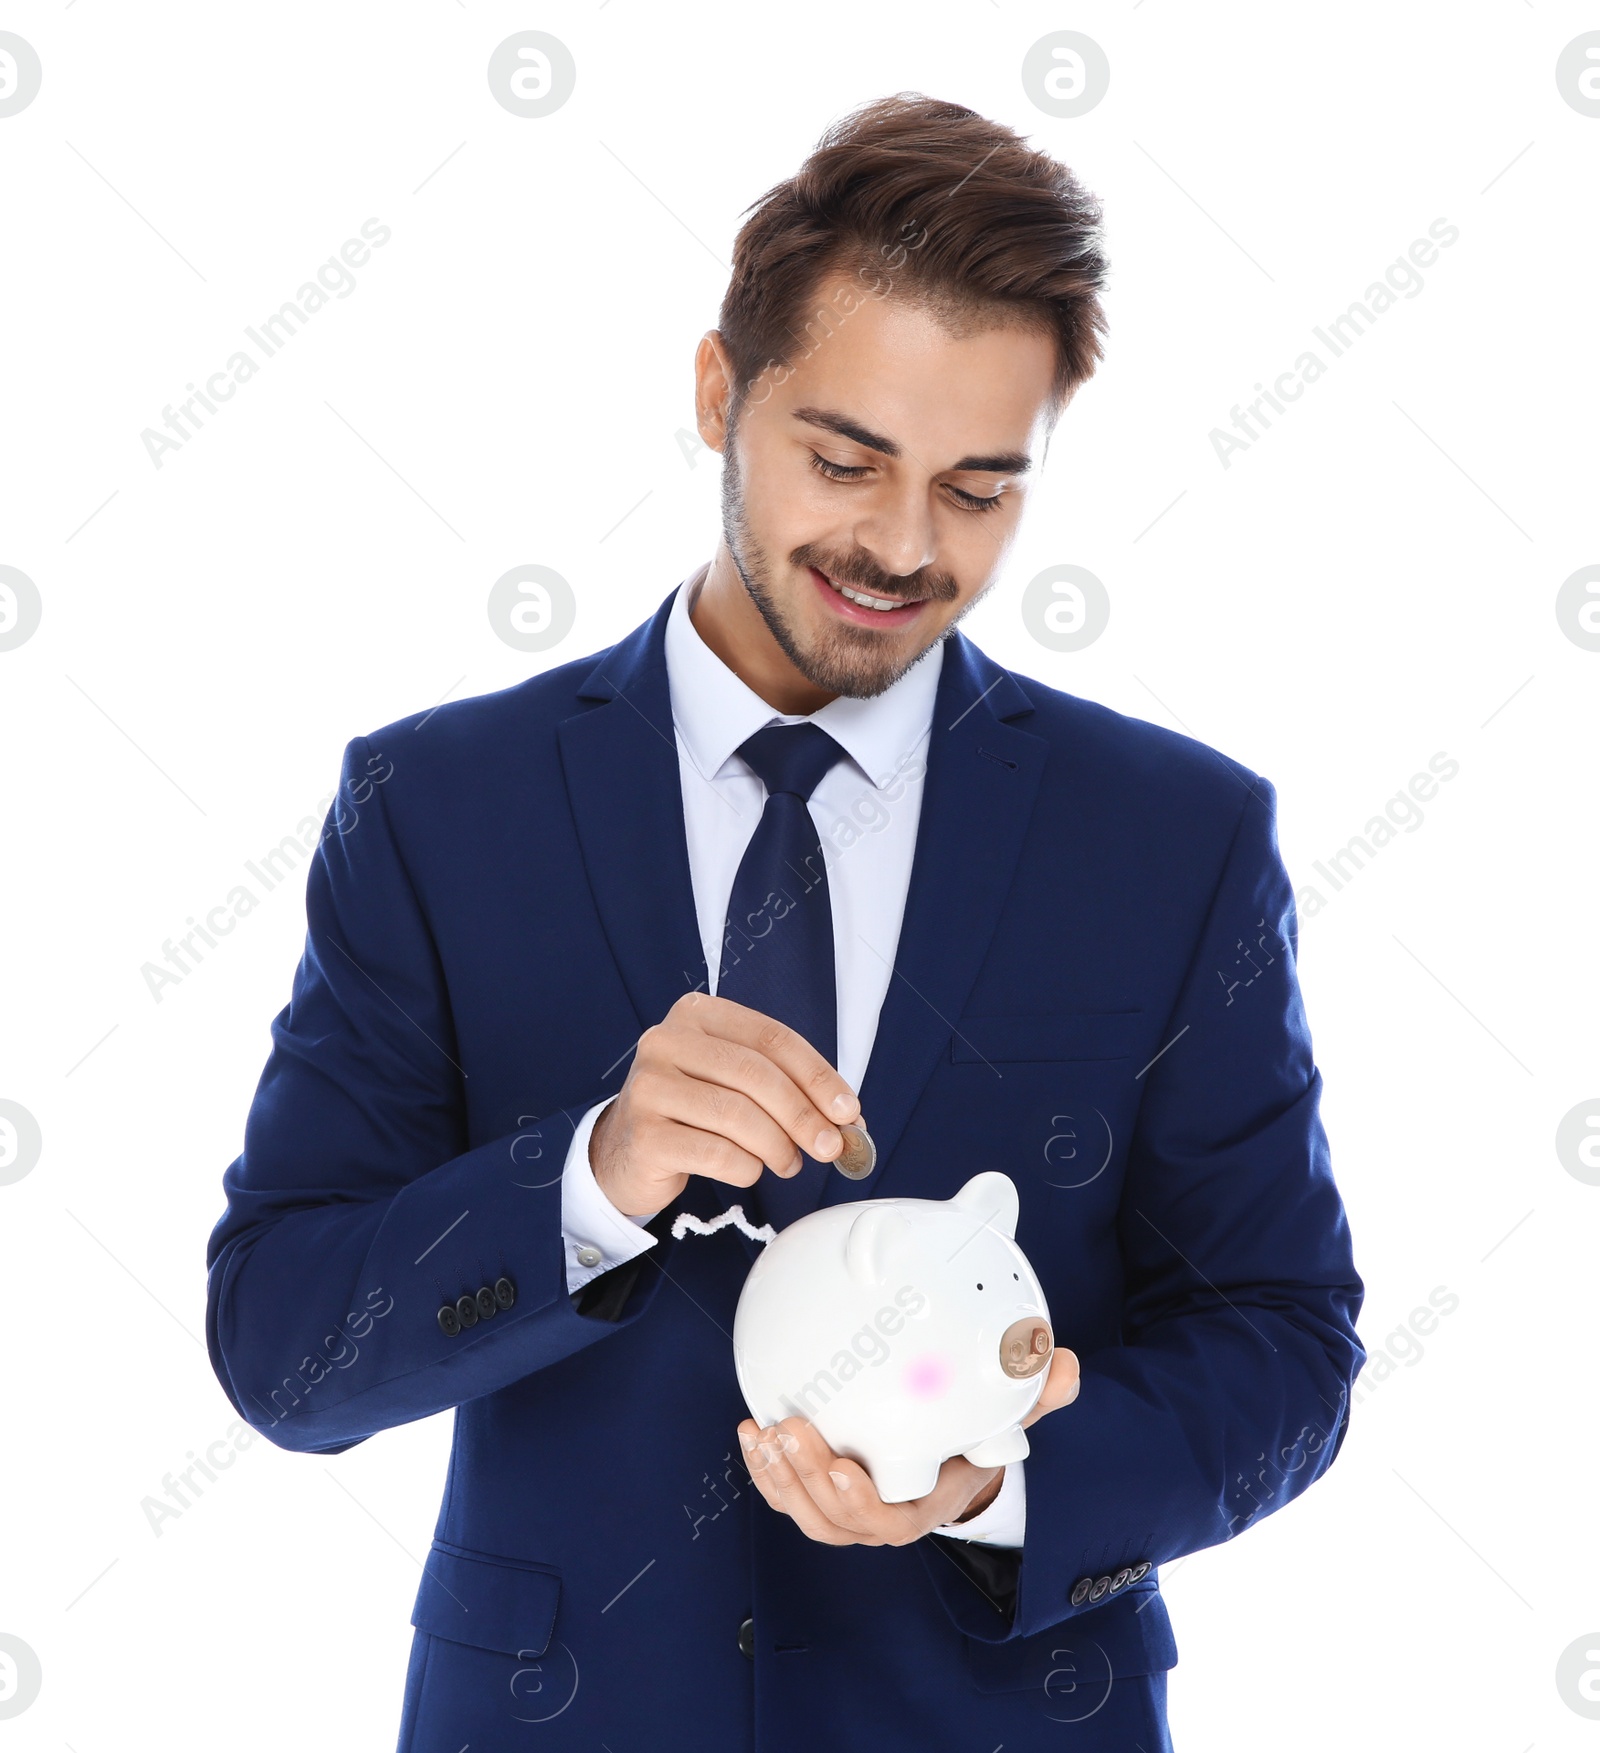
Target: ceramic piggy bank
(905,1330)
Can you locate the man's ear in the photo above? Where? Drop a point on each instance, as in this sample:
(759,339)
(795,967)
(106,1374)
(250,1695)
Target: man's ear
(713,390)
(990,1198)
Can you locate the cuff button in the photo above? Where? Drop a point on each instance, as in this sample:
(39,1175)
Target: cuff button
(1080,1591)
(1102,1587)
(487,1306)
(1141,1569)
(505,1292)
(1122,1578)
(467,1310)
(449,1321)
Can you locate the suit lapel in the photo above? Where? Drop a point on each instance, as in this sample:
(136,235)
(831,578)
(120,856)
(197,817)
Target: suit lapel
(982,778)
(620,760)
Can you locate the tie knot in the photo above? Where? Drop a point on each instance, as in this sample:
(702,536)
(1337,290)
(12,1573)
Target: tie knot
(791,757)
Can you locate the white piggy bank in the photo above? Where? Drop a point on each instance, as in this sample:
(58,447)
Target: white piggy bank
(905,1330)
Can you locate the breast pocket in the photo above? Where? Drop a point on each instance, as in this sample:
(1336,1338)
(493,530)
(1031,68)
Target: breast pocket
(1050,1100)
(1013,1040)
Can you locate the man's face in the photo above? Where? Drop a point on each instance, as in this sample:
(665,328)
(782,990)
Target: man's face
(893,461)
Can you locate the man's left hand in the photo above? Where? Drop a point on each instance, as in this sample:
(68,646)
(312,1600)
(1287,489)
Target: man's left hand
(831,1499)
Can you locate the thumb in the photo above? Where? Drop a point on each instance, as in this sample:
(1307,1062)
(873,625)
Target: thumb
(1060,1386)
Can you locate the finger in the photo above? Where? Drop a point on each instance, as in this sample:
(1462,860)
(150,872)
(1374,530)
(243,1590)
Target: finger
(825,1099)
(755,1462)
(1061,1385)
(841,1489)
(720,1108)
(783,1489)
(686,1150)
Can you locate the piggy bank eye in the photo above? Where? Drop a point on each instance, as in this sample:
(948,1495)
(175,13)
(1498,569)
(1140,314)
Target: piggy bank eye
(980,1287)
(1014,1276)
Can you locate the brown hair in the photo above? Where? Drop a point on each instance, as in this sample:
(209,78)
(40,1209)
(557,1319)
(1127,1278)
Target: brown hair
(929,200)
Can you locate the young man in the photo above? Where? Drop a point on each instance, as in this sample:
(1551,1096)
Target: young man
(636,937)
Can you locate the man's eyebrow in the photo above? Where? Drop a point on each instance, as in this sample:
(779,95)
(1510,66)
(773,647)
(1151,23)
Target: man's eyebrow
(847,428)
(1008,462)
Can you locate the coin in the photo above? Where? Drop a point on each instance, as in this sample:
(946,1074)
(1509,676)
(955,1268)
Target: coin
(860,1155)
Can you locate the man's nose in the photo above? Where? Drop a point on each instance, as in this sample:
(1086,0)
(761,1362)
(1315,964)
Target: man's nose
(898,534)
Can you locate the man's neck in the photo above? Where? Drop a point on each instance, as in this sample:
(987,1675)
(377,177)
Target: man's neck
(732,626)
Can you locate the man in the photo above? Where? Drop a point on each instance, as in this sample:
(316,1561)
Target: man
(635,938)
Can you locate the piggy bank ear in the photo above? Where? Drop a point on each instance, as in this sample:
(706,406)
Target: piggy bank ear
(990,1198)
(874,1238)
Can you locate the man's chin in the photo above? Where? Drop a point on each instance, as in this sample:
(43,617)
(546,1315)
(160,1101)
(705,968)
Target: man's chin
(857,663)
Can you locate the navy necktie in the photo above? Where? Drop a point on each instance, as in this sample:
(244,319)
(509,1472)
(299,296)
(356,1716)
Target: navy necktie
(777,945)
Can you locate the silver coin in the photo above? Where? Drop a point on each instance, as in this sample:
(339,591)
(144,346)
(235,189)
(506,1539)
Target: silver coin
(860,1155)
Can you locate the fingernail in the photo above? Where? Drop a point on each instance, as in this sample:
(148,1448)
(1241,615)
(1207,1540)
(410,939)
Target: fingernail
(842,1105)
(842,1480)
(1074,1394)
(746,1441)
(828,1143)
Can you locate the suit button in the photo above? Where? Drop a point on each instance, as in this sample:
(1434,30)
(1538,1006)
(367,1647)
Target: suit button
(1141,1569)
(588,1256)
(487,1306)
(1122,1578)
(449,1321)
(505,1292)
(1080,1591)
(1101,1588)
(747,1638)
(467,1310)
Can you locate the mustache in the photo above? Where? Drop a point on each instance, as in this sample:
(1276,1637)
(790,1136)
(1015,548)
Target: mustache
(861,572)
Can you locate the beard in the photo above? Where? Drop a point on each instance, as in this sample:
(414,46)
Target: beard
(847,660)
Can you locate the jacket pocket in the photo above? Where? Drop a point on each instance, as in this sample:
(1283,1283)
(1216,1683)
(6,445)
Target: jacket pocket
(491,1603)
(1084,1034)
(1078,1659)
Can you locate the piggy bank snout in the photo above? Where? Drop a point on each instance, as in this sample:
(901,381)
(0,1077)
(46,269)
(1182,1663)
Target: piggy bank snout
(1025,1347)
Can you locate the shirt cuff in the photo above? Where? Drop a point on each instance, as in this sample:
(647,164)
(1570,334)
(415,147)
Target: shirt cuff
(596,1235)
(1001,1524)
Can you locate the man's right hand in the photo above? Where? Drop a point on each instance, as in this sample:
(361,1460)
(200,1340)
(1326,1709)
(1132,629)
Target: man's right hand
(720,1090)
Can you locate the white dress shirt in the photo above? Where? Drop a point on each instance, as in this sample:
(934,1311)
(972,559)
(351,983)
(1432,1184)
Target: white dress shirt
(866,810)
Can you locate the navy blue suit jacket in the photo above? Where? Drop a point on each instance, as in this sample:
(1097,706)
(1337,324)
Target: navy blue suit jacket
(1095,992)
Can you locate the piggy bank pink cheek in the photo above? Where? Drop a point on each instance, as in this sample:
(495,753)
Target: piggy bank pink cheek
(928,1377)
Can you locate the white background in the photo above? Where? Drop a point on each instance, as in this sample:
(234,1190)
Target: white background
(1372,582)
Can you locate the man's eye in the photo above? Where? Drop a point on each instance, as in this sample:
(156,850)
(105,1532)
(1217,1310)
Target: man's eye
(975,501)
(836,471)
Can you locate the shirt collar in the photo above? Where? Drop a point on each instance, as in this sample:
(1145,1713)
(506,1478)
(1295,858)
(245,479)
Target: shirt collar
(715,712)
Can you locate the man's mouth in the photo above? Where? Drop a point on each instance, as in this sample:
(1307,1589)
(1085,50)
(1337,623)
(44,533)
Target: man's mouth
(865,606)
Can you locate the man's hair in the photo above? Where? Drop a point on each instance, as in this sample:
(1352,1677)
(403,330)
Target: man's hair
(927,200)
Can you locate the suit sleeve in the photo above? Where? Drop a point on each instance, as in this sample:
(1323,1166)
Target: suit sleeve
(356,1211)
(1229,1392)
